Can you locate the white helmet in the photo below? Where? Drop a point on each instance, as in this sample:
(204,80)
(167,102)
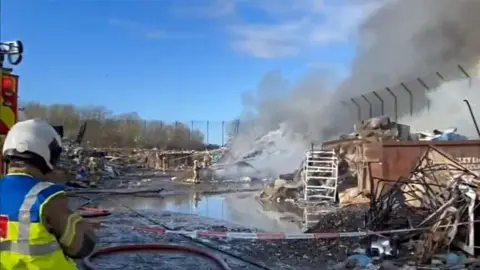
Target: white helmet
(35,142)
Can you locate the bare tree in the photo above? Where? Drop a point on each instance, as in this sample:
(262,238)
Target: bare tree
(125,130)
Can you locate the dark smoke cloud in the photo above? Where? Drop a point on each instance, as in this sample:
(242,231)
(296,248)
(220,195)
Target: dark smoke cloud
(401,41)
(408,39)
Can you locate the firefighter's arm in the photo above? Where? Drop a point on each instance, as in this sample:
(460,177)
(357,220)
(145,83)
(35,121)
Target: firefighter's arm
(75,235)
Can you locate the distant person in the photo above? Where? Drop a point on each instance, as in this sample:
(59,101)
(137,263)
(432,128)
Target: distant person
(196,172)
(93,171)
(207,160)
(37,229)
(157,161)
(164,164)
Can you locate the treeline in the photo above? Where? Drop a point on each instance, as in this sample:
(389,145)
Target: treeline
(124,130)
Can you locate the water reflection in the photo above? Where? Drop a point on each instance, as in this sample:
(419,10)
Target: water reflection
(238,208)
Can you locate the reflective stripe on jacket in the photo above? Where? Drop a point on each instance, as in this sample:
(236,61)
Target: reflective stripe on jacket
(25,243)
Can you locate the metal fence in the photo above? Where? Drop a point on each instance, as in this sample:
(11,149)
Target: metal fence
(214,132)
(404,98)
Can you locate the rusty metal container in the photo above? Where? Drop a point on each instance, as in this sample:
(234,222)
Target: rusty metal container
(399,158)
(392,160)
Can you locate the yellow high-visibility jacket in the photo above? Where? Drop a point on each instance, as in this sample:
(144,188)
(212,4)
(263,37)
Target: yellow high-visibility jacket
(25,243)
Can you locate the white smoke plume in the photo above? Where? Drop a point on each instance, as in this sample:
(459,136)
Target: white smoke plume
(402,41)
(447,109)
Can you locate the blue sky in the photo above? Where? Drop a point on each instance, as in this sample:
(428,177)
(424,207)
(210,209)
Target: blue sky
(171,60)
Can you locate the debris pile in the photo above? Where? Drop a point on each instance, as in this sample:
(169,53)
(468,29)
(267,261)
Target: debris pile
(86,167)
(281,190)
(434,205)
(354,152)
(379,129)
(178,160)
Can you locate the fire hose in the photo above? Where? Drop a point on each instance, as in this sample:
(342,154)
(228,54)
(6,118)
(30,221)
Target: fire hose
(155,247)
(97,212)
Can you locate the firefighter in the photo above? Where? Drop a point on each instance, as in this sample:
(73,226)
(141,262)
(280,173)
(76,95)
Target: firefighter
(37,229)
(196,169)
(205,160)
(164,163)
(157,161)
(93,171)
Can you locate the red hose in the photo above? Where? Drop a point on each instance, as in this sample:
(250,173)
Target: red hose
(158,247)
(88,212)
(94,209)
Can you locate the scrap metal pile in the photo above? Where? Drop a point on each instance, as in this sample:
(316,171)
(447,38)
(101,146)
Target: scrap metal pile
(79,165)
(351,157)
(436,203)
(354,151)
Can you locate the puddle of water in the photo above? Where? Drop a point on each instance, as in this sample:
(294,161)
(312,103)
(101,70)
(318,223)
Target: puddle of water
(238,208)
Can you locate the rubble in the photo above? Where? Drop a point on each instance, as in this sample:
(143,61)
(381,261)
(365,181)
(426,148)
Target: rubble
(349,151)
(84,167)
(281,190)
(87,167)
(436,203)
(355,151)
(432,206)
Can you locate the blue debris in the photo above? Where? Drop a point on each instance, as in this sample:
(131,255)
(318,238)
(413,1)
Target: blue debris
(454,261)
(361,259)
(449,135)
(81,174)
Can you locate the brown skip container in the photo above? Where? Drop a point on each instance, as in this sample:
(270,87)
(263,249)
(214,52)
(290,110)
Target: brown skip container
(392,160)
(397,159)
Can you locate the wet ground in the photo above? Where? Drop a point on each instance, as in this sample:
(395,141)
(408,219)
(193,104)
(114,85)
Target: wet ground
(240,208)
(208,207)
(270,254)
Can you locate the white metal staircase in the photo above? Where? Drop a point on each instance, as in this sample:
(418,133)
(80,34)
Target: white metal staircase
(320,175)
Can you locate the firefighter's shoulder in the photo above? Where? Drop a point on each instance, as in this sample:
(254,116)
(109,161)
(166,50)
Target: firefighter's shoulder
(75,235)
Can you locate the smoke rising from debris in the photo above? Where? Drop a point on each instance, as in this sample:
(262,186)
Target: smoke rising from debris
(402,41)
(447,109)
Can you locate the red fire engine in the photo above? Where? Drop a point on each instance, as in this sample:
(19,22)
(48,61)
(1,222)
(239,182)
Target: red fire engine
(12,52)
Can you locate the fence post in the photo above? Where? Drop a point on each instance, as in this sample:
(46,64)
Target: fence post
(411,97)
(359,109)
(427,88)
(208,132)
(395,104)
(382,105)
(223,133)
(370,106)
(440,76)
(466,74)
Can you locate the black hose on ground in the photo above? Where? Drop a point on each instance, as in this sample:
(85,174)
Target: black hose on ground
(97,212)
(116,191)
(212,247)
(88,200)
(154,247)
(146,247)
